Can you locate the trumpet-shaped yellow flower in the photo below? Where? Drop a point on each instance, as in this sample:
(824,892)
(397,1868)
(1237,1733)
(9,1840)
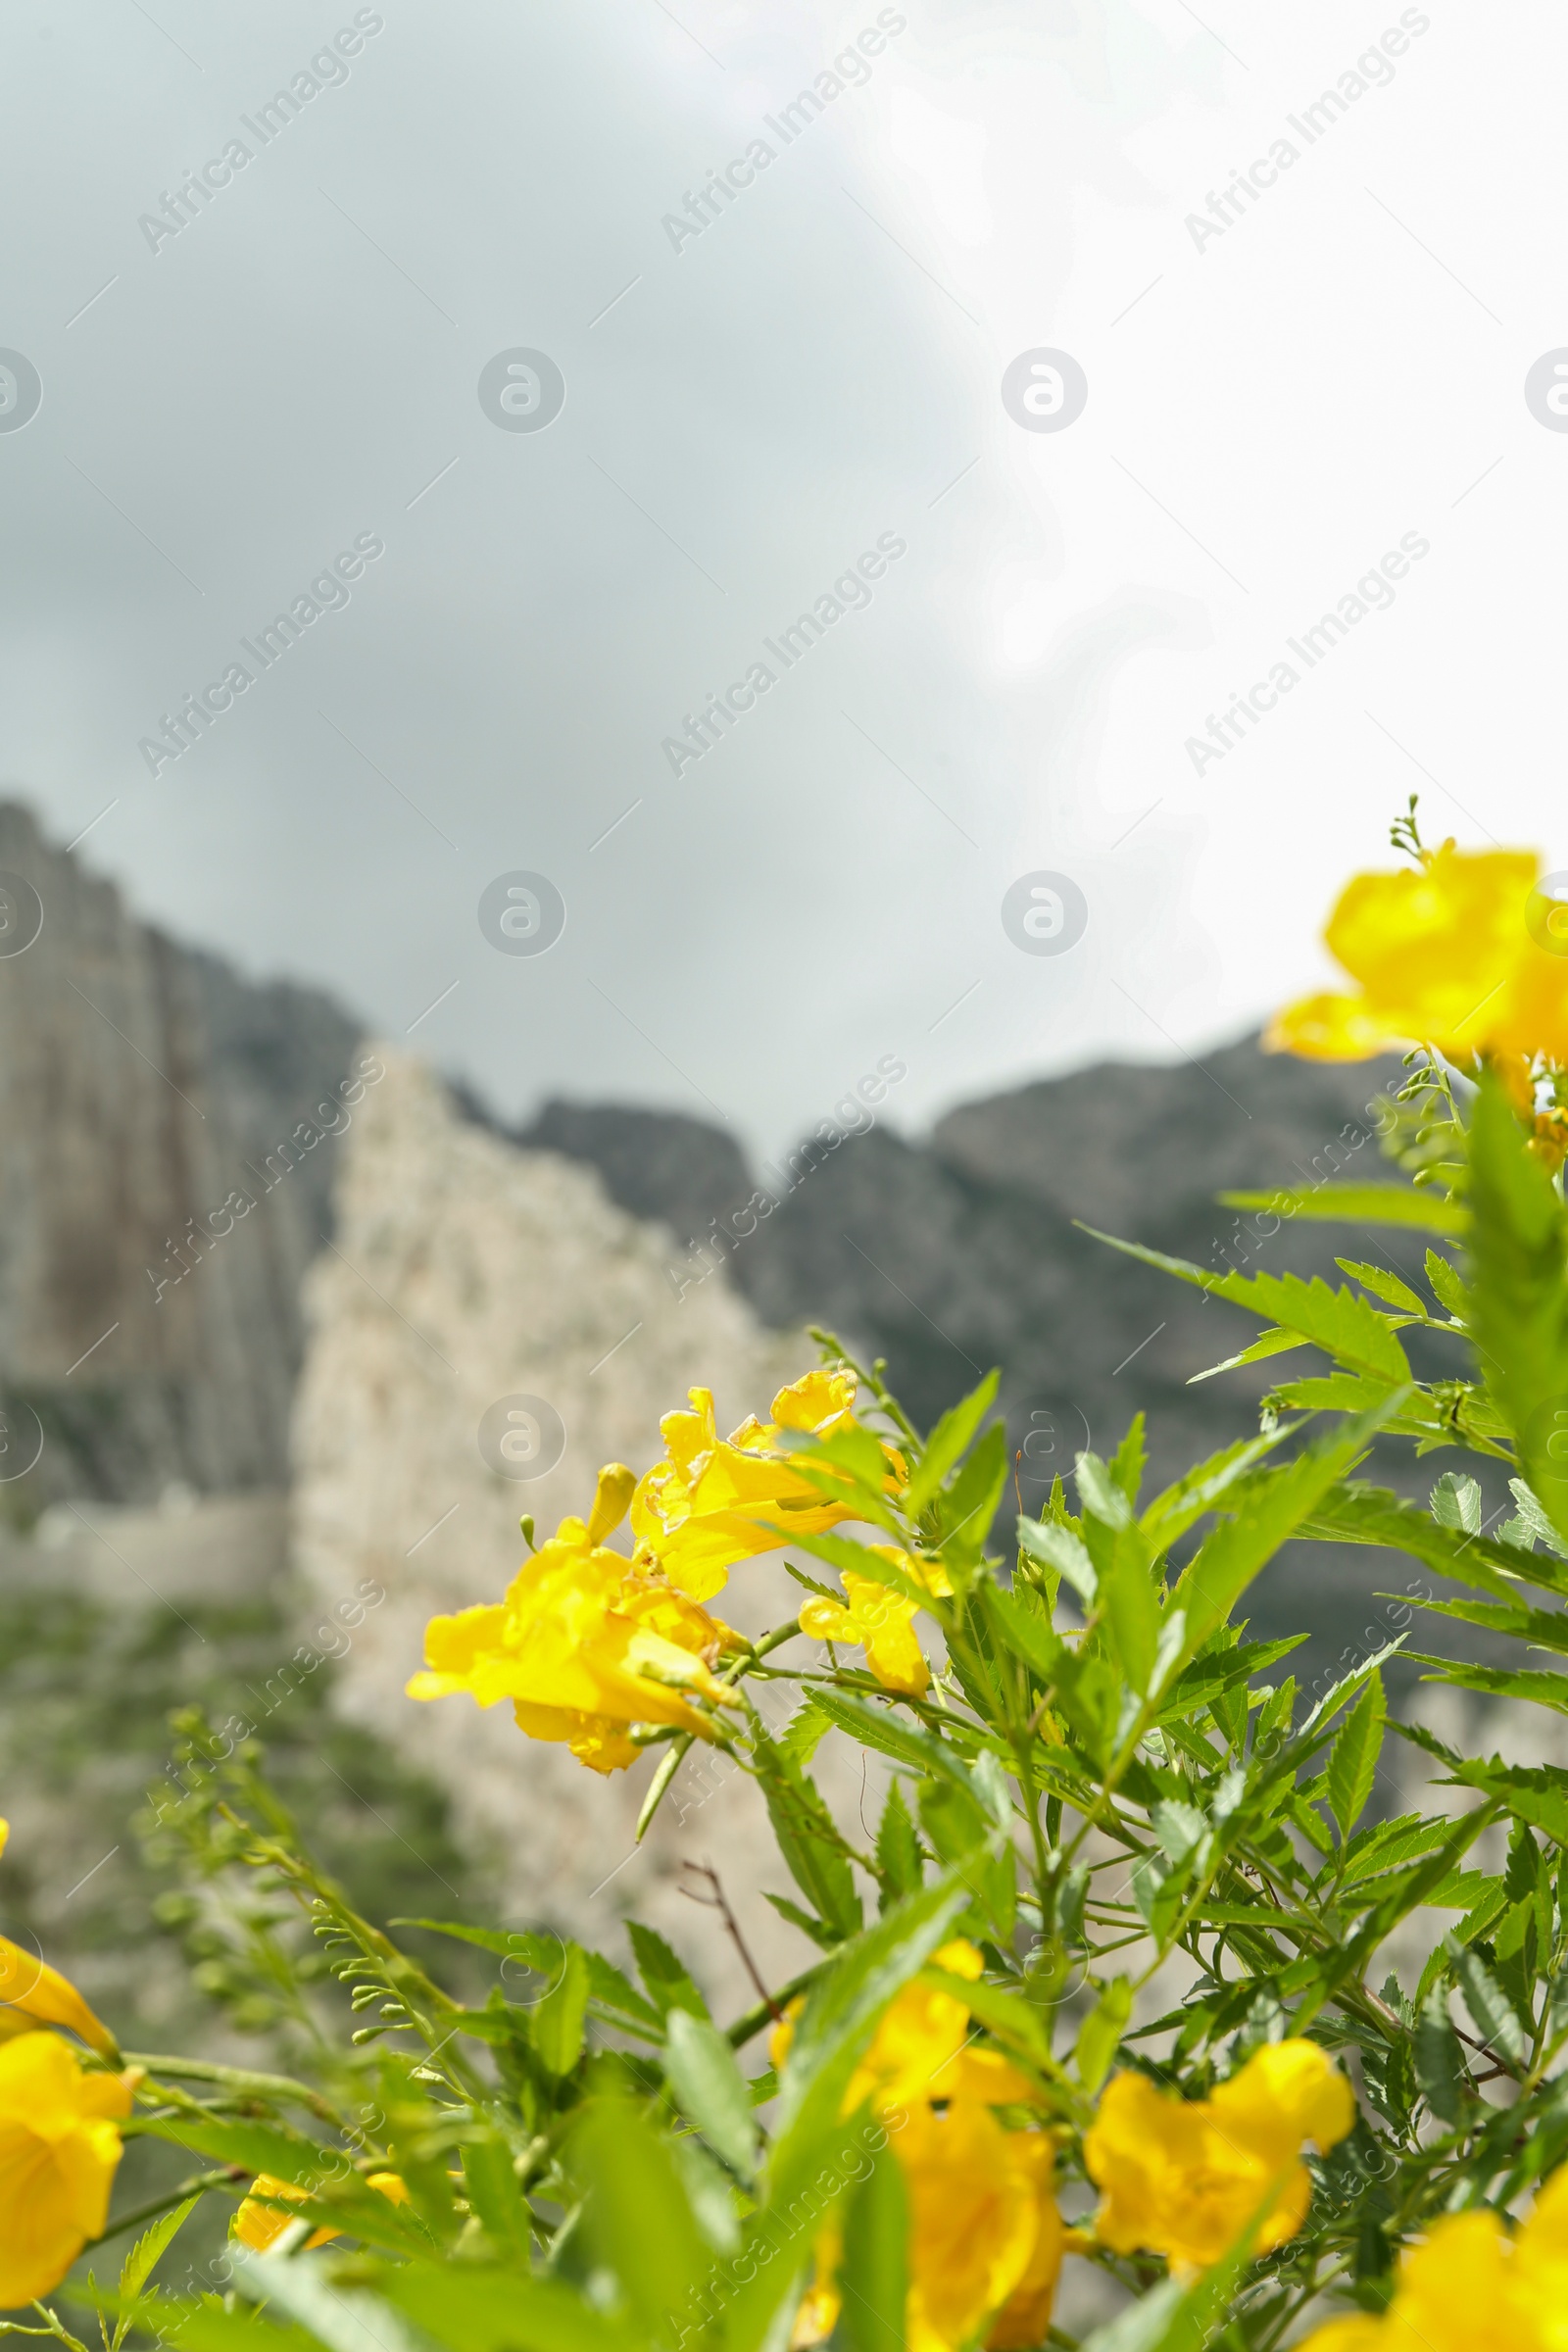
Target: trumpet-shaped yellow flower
(881,1622)
(717,1501)
(1460,953)
(259,2223)
(584,1645)
(59,2150)
(1474,2286)
(1184,2177)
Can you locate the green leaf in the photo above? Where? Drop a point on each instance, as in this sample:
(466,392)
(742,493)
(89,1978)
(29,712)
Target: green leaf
(1487,2002)
(636,2218)
(471,2309)
(1100,2034)
(495,2197)
(1447,1288)
(1455,1502)
(809,1840)
(1209,1678)
(1343,1325)
(874,2275)
(1267,1344)
(1353,1758)
(1203,1488)
(1439,2065)
(1359,1204)
(1027,1633)
(1519,1249)
(897,1850)
(803,1733)
(666,1979)
(1533,1793)
(1382,1285)
(139,2264)
(890,1733)
(711,2092)
(557,2021)
(947,1442)
(1057,1547)
(971,1503)
(1498,1682)
(1266,1510)
(1127,1463)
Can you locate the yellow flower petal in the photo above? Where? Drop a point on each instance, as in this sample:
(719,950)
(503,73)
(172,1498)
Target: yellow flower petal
(59,2151)
(584,1645)
(37,1995)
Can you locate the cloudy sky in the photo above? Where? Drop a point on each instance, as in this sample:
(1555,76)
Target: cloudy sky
(1287,381)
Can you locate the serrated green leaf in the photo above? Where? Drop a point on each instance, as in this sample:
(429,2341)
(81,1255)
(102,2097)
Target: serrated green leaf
(636,2215)
(1382,1283)
(1353,1758)
(470,2309)
(809,1840)
(1265,1511)
(1343,1325)
(947,1442)
(1059,1549)
(1487,2002)
(897,1850)
(556,2023)
(1267,1344)
(1447,1287)
(666,1978)
(1126,1465)
(1359,1204)
(144,2256)
(1455,1502)
(713,2092)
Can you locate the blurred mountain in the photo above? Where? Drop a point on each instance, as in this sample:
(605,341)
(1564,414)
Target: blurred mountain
(970,1251)
(166,1132)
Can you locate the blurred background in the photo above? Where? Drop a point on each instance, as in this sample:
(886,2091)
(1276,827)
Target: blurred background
(425,1002)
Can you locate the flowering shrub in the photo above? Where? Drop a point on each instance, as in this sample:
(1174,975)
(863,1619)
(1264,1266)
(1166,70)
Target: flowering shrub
(1108,1988)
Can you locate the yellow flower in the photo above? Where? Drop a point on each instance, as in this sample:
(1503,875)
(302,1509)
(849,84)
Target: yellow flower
(1473,2286)
(880,1621)
(1447,954)
(584,1645)
(1184,2177)
(259,2224)
(714,1500)
(59,2150)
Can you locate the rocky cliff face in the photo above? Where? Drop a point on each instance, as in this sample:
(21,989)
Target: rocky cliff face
(160,1198)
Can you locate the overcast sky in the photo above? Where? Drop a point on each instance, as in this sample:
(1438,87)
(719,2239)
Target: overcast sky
(1274,403)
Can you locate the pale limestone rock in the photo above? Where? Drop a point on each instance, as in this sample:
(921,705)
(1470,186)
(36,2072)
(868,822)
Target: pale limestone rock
(464,1271)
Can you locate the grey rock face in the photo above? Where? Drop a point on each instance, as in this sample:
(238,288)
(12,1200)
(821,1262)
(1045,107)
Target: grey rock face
(158,1202)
